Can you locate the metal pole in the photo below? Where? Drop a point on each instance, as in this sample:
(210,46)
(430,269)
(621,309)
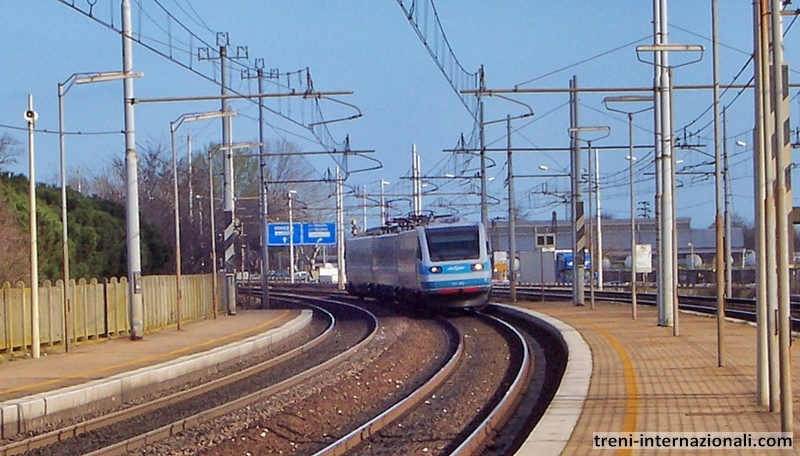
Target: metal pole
(484,198)
(364,207)
(631,159)
(659,181)
(666,287)
(578,220)
(599,218)
(291,240)
(414,178)
(383,204)
(176,212)
(189,179)
(263,194)
(340,261)
(674,227)
(132,182)
(31,116)
(718,224)
(771,258)
(759,147)
(64,232)
(417,163)
(592,256)
(512,218)
(212,218)
(783,208)
(726,176)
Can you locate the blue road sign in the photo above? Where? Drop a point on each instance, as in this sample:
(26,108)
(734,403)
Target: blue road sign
(319,233)
(304,234)
(278,234)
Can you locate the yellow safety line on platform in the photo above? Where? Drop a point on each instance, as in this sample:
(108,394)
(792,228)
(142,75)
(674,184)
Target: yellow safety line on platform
(632,391)
(141,360)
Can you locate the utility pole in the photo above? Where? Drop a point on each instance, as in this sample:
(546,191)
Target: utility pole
(720,238)
(484,196)
(191,190)
(132,183)
(783,209)
(416,183)
(766,363)
(340,232)
(228,197)
(578,221)
(364,207)
(263,185)
(726,175)
(512,218)
(31,116)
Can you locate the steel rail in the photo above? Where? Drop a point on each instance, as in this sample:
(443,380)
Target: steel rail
(76,430)
(416,397)
(179,426)
(739,308)
(506,406)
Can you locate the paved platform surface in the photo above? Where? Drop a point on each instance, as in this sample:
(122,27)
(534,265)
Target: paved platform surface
(644,379)
(93,360)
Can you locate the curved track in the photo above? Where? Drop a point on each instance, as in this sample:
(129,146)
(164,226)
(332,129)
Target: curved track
(497,422)
(135,427)
(739,308)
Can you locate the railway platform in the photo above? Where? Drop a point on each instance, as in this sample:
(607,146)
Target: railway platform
(642,378)
(111,369)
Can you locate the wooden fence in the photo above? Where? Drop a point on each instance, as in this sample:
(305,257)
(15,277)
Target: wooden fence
(99,309)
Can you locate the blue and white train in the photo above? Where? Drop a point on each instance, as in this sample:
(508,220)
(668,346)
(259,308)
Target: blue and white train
(435,262)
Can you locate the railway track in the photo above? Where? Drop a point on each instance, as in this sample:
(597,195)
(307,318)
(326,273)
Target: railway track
(739,308)
(132,428)
(482,402)
(477,392)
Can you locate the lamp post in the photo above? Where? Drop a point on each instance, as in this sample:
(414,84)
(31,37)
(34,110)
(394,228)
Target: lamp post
(173,127)
(383,203)
(690,263)
(607,101)
(63,88)
(512,230)
(604,131)
(291,238)
(667,298)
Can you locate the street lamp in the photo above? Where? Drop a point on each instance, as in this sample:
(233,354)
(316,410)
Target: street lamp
(291,238)
(383,203)
(173,127)
(667,299)
(691,255)
(63,88)
(631,158)
(603,132)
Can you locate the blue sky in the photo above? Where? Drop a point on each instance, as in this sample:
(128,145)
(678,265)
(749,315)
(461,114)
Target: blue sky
(368,47)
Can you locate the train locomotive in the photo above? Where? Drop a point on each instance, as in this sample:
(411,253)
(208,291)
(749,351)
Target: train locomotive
(438,262)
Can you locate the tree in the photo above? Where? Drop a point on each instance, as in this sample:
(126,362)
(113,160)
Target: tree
(97,234)
(8,150)
(156,198)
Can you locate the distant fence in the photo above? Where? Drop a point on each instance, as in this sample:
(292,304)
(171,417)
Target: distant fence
(99,309)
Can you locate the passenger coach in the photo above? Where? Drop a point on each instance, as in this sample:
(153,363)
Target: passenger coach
(440,262)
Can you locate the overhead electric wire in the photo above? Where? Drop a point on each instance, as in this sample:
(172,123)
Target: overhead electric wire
(68,133)
(149,44)
(594,57)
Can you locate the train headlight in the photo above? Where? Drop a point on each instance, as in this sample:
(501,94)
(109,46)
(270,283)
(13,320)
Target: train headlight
(477,267)
(435,269)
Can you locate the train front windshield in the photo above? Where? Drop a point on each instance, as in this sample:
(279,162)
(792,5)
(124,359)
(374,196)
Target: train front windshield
(455,243)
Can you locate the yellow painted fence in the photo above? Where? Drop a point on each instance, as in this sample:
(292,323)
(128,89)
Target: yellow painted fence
(99,309)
